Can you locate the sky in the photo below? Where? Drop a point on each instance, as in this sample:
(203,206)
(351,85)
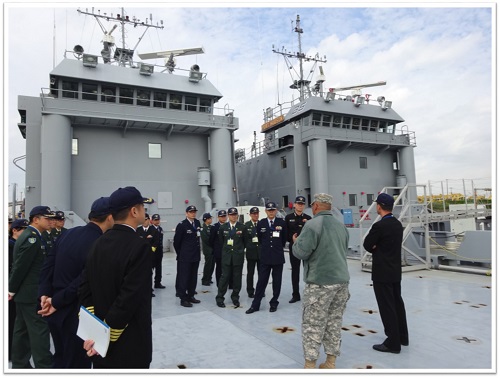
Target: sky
(438,61)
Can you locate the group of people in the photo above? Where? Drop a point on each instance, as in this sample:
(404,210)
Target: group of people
(107,267)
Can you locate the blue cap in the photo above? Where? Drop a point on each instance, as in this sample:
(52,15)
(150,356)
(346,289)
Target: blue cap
(59,215)
(271,206)
(222,213)
(44,211)
(206,216)
(300,199)
(191,208)
(254,210)
(123,198)
(385,199)
(100,207)
(232,211)
(155,217)
(20,223)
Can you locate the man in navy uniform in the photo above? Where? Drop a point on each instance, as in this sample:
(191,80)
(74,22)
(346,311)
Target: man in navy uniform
(158,255)
(187,248)
(272,236)
(47,236)
(60,219)
(252,249)
(232,237)
(60,279)
(216,245)
(384,243)
(31,336)
(208,252)
(150,234)
(116,285)
(294,223)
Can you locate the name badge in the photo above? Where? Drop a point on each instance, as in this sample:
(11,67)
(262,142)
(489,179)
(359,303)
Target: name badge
(229,241)
(255,239)
(198,233)
(276,234)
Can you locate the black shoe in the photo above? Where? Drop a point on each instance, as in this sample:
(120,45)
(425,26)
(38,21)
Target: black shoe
(152,295)
(205,284)
(251,310)
(211,282)
(293,300)
(193,300)
(273,309)
(195,292)
(251,296)
(221,304)
(177,295)
(405,343)
(383,348)
(186,304)
(236,303)
(159,286)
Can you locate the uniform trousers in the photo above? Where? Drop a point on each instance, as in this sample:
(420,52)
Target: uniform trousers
(12,319)
(218,269)
(295,263)
(251,265)
(31,338)
(157,260)
(230,273)
(264,273)
(392,312)
(208,268)
(187,274)
(69,352)
(322,311)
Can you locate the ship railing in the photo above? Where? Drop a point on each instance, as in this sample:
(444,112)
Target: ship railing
(127,100)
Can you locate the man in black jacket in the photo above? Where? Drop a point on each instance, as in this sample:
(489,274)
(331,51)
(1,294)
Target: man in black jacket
(272,234)
(384,243)
(149,233)
(60,278)
(216,245)
(117,285)
(187,248)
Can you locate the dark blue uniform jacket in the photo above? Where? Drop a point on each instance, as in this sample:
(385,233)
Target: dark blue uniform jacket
(187,241)
(272,248)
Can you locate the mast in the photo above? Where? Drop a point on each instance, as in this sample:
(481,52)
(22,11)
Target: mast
(301,84)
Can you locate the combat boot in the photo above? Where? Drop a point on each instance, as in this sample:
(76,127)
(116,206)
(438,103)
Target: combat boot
(310,364)
(329,363)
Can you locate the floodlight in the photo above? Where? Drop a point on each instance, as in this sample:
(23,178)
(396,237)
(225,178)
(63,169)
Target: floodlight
(359,101)
(194,74)
(146,69)
(89,60)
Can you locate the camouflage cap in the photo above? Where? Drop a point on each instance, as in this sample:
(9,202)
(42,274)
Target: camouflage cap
(323,198)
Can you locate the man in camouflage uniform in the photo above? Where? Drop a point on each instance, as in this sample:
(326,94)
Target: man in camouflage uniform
(322,245)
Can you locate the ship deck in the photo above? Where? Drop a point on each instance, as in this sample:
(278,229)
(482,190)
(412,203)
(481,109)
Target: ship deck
(449,318)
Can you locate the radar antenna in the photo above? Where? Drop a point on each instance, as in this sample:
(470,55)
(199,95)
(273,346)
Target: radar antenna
(122,55)
(170,54)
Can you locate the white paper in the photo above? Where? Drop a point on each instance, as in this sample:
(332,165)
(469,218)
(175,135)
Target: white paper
(90,327)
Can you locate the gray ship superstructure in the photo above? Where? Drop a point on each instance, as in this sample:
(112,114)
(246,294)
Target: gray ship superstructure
(350,146)
(108,121)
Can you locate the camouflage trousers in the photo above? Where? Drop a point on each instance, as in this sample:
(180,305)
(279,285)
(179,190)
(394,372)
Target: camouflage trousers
(322,310)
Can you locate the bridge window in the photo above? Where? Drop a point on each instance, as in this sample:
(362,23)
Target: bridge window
(337,120)
(126,96)
(89,91)
(108,93)
(355,123)
(365,124)
(205,105)
(373,125)
(382,126)
(160,100)
(327,120)
(70,89)
(175,102)
(143,97)
(155,150)
(346,124)
(316,119)
(191,103)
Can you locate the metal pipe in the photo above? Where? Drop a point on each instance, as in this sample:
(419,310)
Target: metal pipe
(464,270)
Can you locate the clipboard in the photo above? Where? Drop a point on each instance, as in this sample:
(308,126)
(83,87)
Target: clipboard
(90,327)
